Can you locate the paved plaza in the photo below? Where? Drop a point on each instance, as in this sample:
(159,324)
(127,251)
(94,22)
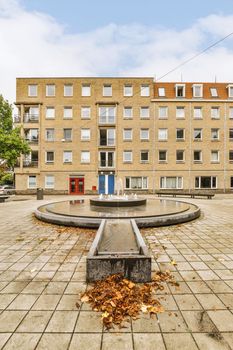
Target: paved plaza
(42,273)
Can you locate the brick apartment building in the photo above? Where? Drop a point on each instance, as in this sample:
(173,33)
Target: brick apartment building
(85,133)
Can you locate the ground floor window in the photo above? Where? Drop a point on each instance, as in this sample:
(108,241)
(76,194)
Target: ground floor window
(231,181)
(135,183)
(49,181)
(32,181)
(171,182)
(206,182)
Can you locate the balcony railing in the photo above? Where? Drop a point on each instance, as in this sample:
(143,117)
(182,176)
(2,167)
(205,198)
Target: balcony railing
(30,163)
(31,118)
(32,140)
(107,142)
(17,119)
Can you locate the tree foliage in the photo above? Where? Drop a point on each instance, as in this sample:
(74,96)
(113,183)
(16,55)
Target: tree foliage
(12,145)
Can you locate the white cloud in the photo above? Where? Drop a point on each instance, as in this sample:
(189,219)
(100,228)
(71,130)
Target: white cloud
(35,44)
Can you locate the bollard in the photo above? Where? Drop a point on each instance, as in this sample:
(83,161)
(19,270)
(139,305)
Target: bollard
(39,194)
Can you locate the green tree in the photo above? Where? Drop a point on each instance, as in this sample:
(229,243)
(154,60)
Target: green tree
(12,145)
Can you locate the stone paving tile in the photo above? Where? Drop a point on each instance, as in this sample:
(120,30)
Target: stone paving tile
(3,339)
(88,322)
(145,324)
(211,341)
(187,302)
(86,341)
(46,302)
(182,341)
(9,320)
(148,341)
(34,321)
(22,341)
(222,319)
(54,341)
(199,321)
(62,321)
(116,341)
(23,302)
(6,299)
(172,322)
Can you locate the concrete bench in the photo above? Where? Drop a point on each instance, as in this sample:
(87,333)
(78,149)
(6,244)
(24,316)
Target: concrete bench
(3,198)
(186,194)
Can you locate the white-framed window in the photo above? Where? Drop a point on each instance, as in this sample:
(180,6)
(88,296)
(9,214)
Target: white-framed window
(145,90)
(163,112)
(50,90)
(180,90)
(162,155)
(180,112)
(32,181)
(85,157)
(136,182)
(171,182)
(128,112)
(215,112)
(67,134)
(85,134)
(32,90)
(127,156)
(67,157)
(231,112)
(145,112)
(107,90)
(162,134)
(180,134)
(68,113)
(107,137)
(214,92)
(107,115)
(31,135)
(206,182)
(86,90)
(197,156)
(197,134)
(49,181)
(106,159)
(230,91)
(231,156)
(161,92)
(214,156)
(50,113)
(127,134)
(197,90)
(49,156)
(86,112)
(144,156)
(128,90)
(144,134)
(231,134)
(49,134)
(179,155)
(197,112)
(68,90)
(214,134)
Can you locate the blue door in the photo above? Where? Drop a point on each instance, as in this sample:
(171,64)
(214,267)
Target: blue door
(110,184)
(102,184)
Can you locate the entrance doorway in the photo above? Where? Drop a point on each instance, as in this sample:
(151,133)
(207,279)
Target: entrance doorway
(77,185)
(106,184)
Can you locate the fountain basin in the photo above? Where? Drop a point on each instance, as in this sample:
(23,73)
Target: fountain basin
(118,202)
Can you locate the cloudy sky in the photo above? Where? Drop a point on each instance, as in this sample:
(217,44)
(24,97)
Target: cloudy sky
(114,38)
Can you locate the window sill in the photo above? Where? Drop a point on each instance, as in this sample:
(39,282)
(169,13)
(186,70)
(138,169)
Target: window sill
(49,163)
(49,118)
(144,140)
(163,161)
(85,140)
(144,162)
(180,140)
(215,162)
(197,140)
(129,140)
(127,118)
(127,161)
(67,162)
(145,118)
(162,118)
(212,140)
(162,140)
(197,161)
(66,140)
(180,162)
(85,162)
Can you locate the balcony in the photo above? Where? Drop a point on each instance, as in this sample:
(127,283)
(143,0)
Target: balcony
(32,140)
(17,119)
(30,163)
(31,118)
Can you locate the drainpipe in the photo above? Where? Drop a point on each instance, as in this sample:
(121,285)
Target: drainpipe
(153,152)
(190,144)
(224,148)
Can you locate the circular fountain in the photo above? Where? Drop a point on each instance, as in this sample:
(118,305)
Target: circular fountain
(118,201)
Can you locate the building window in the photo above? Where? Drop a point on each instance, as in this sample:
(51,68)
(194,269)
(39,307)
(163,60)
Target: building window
(230,90)
(128,112)
(145,90)
(144,112)
(144,156)
(162,156)
(107,137)
(85,157)
(32,90)
(67,134)
(231,182)
(85,112)
(180,113)
(180,135)
(107,90)
(231,112)
(86,90)
(231,134)
(68,90)
(127,134)
(180,90)
(68,113)
(32,181)
(197,134)
(171,182)
(214,134)
(107,115)
(231,156)
(50,112)
(128,90)
(106,159)
(161,92)
(205,182)
(127,156)
(179,156)
(144,134)
(67,157)
(31,135)
(49,134)
(50,90)
(136,183)
(49,181)
(49,156)
(215,112)
(162,134)
(214,156)
(197,90)
(163,112)
(214,92)
(197,156)
(197,113)
(85,134)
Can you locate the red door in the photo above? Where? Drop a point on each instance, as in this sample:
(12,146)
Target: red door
(77,185)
